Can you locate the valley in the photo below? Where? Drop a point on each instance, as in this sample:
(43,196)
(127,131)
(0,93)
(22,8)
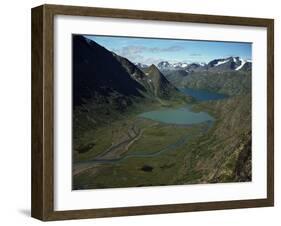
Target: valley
(136,126)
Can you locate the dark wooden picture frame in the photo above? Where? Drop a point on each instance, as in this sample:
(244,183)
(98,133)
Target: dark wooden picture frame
(43,120)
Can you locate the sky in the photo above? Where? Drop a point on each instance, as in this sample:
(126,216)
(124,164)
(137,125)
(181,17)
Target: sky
(152,50)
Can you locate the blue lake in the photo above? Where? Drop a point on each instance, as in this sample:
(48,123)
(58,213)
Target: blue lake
(202,95)
(184,115)
(181,115)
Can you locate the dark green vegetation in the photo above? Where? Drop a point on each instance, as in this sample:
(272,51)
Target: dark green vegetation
(114,147)
(231,76)
(223,154)
(231,83)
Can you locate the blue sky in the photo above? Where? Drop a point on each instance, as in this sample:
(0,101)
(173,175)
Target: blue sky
(150,50)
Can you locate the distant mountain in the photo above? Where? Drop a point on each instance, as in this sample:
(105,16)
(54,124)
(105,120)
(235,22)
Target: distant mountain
(166,66)
(229,64)
(231,75)
(196,67)
(216,65)
(246,66)
(180,65)
(141,66)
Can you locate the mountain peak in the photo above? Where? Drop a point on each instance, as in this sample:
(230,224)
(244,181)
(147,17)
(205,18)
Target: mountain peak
(153,70)
(164,65)
(229,64)
(152,66)
(162,87)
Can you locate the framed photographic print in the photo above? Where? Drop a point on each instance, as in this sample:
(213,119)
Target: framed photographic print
(141,112)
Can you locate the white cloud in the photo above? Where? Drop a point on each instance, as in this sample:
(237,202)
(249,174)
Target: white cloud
(136,53)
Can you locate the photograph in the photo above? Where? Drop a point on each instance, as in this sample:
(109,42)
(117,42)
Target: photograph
(158,112)
(140,112)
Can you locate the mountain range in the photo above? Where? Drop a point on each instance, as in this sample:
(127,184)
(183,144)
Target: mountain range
(216,65)
(231,75)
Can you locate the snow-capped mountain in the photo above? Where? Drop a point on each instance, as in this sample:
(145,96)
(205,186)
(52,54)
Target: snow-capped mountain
(193,67)
(165,65)
(229,64)
(180,65)
(216,65)
(141,66)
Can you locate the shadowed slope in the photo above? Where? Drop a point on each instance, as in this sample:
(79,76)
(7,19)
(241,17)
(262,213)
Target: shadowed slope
(97,72)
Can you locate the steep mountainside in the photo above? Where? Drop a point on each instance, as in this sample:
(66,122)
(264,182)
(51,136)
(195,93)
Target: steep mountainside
(136,73)
(159,84)
(106,85)
(175,76)
(223,154)
(96,72)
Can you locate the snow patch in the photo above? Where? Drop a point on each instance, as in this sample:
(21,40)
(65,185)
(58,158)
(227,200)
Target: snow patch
(180,64)
(234,59)
(243,62)
(221,62)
